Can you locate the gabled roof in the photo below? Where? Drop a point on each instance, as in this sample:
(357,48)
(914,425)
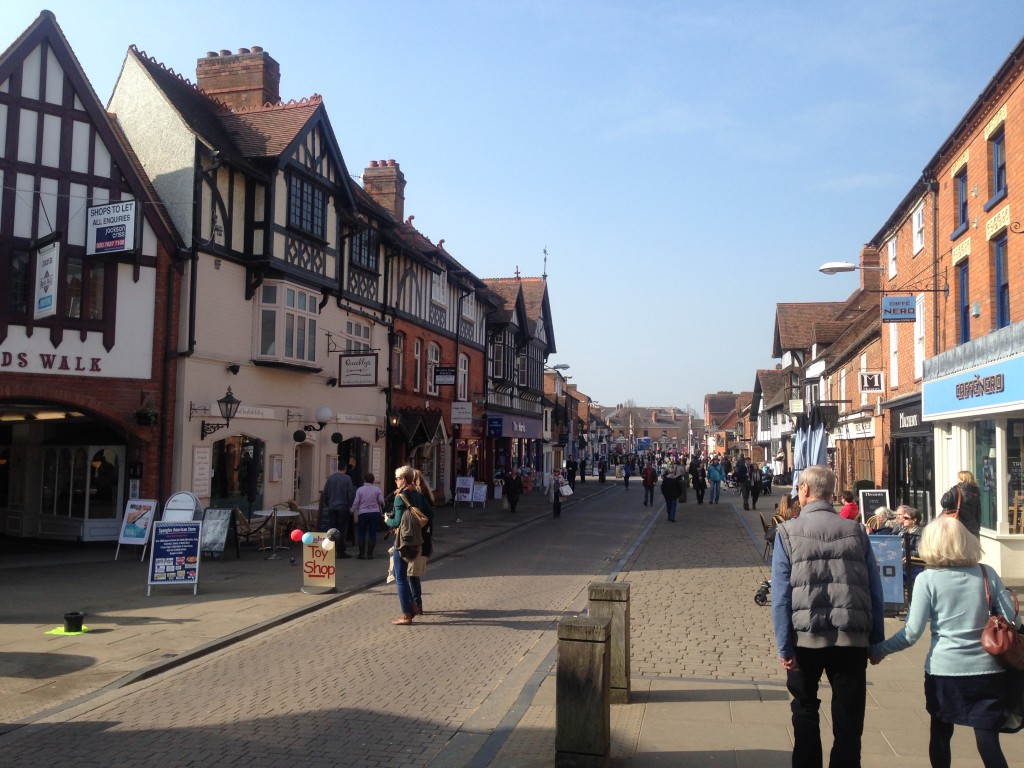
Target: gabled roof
(772,386)
(513,304)
(793,323)
(268,131)
(45,27)
(721,402)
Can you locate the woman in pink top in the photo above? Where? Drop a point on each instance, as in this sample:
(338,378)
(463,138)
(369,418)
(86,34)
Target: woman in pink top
(850,509)
(366,509)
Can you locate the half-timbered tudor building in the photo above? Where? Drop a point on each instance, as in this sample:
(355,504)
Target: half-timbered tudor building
(273,309)
(88,304)
(438,311)
(520,339)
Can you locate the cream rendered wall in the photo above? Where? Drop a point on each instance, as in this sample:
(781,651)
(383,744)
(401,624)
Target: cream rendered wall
(163,142)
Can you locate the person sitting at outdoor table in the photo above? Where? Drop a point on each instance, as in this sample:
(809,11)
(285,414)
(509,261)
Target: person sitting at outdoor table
(909,520)
(882,523)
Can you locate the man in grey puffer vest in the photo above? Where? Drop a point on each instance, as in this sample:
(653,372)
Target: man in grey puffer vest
(827,608)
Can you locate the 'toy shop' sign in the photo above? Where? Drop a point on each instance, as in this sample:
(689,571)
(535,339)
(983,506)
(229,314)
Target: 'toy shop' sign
(318,566)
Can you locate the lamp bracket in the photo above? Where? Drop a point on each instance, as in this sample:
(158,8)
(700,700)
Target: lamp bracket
(208,428)
(380,432)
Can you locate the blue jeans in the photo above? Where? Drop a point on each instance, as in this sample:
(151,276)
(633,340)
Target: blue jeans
(401,570)
(670,508)
(714,490)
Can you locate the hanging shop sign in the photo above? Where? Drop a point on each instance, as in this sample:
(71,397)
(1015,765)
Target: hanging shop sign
(357,370)
(899,309)
(47,266)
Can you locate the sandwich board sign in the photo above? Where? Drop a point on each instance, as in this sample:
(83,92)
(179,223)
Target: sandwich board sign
(174,558)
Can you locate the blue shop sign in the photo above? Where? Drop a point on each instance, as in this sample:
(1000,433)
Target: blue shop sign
(899,309)
(494,426)
(994,387)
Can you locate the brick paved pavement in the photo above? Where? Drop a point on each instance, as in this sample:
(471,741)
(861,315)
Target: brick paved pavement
(320,690)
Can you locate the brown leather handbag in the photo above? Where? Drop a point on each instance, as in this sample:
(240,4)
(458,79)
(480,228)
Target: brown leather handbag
(1000,637)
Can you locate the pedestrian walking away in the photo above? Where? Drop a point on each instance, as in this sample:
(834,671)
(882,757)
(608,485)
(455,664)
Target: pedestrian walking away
(625,473)
(741,474)
(570,472)
(827,611)
(366,511)
(336,502)
(716,476)
(963,683)
(649,478)
(963,501)
(671,489)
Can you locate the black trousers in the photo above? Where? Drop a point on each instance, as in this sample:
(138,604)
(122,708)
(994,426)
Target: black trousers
(846,670)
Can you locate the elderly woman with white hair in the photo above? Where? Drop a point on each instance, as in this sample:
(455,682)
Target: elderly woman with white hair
(963,683)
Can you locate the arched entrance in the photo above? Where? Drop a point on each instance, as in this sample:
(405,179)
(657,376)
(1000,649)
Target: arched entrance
(238,473)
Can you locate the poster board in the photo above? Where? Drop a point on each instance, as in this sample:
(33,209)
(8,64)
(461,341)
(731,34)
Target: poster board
(139,515)
(480,494)
(318,567)
(217,523)
(888,551)
(174,558)
(870,501)
(463,489)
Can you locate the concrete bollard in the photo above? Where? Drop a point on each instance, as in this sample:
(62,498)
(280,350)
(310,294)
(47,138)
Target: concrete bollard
(582,706)
(610,600)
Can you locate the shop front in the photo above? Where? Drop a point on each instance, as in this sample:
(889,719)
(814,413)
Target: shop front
(515,441)
(911,456)
(854,452)
(977,412)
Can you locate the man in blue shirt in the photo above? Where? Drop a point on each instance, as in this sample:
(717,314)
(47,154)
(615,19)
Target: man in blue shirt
(827,609)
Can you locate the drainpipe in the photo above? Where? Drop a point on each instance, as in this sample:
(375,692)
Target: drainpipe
(933,188)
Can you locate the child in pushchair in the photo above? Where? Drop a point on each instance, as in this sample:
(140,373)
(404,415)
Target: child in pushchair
(761,596)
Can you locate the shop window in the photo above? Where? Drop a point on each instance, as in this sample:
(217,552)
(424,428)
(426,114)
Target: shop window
(985,470)
(1015,473)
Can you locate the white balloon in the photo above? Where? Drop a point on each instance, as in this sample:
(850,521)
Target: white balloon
(327,545)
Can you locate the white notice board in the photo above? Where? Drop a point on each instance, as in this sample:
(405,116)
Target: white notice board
(463,489)
(480,493)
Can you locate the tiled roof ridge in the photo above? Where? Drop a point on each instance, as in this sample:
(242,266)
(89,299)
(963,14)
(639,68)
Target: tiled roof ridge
(305,101)
(170,70)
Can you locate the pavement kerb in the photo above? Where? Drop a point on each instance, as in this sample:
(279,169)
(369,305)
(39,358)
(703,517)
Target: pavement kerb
(525,517)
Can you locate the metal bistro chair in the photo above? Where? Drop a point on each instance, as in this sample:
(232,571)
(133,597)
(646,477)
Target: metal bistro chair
(246,530)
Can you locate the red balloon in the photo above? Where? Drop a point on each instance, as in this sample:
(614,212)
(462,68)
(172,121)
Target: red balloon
(296,534)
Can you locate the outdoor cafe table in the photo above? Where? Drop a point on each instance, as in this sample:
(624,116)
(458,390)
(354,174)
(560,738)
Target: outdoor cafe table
(275,514)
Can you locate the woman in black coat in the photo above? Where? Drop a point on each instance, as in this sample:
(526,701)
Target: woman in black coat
(964,499)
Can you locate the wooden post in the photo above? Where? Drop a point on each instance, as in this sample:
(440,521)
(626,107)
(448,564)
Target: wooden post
(582,705)
(610,600)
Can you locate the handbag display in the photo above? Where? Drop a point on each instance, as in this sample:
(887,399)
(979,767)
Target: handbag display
(1000,637)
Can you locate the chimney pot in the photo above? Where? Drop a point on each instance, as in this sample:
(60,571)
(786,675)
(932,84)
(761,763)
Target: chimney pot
(242,50)
(257,49)
(373,163)
(391,163)
(225,52)
(211,54)
(240,84)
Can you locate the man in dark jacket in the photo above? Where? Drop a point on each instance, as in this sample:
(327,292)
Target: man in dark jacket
(827,609)
(741,474)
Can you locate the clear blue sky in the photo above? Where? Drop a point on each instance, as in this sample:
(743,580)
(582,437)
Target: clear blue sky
(687,165)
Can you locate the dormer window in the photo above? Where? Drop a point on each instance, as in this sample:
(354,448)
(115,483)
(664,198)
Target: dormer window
(365,249)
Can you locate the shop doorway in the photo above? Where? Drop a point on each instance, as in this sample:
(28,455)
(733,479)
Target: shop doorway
(238,473)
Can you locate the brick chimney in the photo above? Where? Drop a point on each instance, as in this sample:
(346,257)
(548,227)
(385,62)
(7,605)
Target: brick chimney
(870,269)
(385,183)
(249,78)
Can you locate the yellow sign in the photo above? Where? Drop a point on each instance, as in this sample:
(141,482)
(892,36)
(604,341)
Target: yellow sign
(318,567)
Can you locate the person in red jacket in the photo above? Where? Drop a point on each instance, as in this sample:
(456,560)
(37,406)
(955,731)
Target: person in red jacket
(850,509)
(650,478)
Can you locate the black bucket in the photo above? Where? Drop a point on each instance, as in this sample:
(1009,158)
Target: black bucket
(73,621)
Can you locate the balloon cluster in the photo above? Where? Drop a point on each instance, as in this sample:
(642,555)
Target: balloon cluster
(306,538)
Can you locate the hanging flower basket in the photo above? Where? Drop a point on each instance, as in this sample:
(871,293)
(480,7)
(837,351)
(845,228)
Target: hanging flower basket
(147,417)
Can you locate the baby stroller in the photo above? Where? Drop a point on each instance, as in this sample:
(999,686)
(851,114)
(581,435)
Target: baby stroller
(761,596)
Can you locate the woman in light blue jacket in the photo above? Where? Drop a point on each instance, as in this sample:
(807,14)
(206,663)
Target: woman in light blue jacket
(716,476)
(963,684)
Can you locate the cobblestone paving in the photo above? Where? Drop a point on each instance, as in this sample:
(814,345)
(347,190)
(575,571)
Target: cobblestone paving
(343,686)
(692,600)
